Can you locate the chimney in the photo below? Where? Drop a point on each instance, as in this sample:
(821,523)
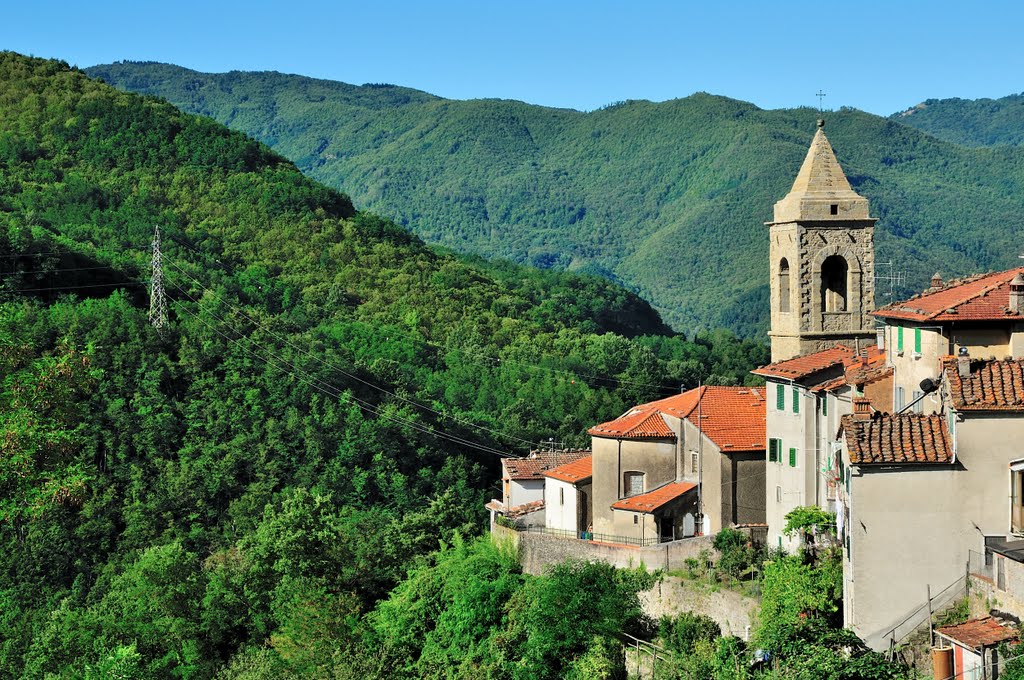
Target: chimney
(936,280)
(880,337)
(963,363)
(861,408)
(1017,294)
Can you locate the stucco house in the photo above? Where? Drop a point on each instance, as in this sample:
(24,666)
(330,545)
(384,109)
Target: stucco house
(568,496)
(807,395)
(946,476)
(661,465)
(522,484)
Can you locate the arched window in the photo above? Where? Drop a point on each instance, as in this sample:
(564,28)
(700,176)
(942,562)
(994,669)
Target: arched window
(633,483)
(834,275)
(784,285)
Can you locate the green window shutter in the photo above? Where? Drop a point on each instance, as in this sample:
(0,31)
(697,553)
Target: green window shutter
(899,339)
(917,340)
(824,404)
(792,458)
(780,398)
(796,400)
(773,450)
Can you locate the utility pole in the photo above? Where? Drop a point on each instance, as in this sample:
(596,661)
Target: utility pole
(157,295)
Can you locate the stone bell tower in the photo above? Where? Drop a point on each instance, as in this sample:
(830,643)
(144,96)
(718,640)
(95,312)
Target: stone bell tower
(822,259)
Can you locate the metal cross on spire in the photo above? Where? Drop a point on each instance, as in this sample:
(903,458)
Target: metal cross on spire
(157,295)
(821,98)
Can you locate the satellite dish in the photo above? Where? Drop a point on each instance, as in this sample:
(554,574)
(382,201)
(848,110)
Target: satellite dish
(928,385)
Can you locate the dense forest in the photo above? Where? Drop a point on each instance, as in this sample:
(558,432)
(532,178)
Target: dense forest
(641,193)
(262,488)
(970,122)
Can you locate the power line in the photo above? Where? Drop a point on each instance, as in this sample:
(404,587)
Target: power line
(92,285)
(330,390)
(347,374)
(493,359)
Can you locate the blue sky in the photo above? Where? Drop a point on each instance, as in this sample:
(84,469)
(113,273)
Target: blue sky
(877,56)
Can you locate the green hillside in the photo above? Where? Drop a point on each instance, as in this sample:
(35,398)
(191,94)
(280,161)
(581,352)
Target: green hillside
(325,408)
(970,122)
(668,198)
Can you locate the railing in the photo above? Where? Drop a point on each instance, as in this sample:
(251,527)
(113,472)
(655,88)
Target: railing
(642,647)
(980,564)
(591,536)
(920,616)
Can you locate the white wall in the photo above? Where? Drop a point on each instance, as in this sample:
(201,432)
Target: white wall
(560,504)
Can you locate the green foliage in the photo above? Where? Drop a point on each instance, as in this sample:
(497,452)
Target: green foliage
(957,612)
(970,122)
(642,193)
(682,632)
(736,552)
(805,520)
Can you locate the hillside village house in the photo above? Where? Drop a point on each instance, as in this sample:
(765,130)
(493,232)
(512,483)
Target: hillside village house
(522,484)
(650,464)
(568,497)
(950,469)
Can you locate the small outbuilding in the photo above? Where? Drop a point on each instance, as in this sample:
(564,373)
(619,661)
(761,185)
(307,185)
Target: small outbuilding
(975,644)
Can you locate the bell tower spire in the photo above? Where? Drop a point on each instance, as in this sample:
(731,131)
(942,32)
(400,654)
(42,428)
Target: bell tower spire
(822,259)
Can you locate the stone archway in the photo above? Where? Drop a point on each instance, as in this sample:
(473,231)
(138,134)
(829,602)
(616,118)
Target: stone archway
(836,290)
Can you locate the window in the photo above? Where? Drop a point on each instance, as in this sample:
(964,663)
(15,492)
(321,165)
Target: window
(899,399)
(918,405)
(774,450)
(899,339)
(634,483)
(792,458)
(834,272)
(824,404)
(694,463)
(917,340)
(847,482)
(778,496)
(796,400)
(784,285)
(833,209)
(780,397)
(561,496)
(636,519)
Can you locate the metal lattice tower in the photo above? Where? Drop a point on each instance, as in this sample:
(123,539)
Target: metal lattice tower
(157,295)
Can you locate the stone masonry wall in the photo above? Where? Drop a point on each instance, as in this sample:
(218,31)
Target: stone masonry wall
(733,612)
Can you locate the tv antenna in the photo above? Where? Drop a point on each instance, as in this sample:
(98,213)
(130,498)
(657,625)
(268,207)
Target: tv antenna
(157,295)
(895,278)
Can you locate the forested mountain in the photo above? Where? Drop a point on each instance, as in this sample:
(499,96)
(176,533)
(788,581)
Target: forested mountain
(668,198)
(970,122)
(236,493)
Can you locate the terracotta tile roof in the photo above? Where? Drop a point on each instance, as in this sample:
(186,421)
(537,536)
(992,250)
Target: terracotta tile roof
(978,298)
(642,422)
(539,462)
(976,633)
(731,417)
(806,365)
(574,472)
(905,438)
(652,500)
(992,386)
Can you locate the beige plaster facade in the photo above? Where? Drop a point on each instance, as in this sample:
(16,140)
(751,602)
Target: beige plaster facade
(811,431)
(613,458)
(912,526)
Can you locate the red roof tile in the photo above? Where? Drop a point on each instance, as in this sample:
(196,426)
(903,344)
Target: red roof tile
(652,500)
(977,298)
(976,633)
(574,472)
(905,438)
(992,385)
(806,365)
(539,462)
(731,417)
(642,422)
